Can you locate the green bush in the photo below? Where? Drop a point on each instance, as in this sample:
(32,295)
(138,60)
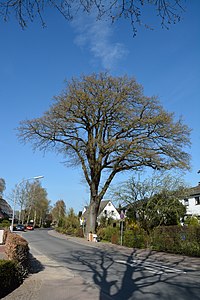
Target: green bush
(135,238)
(5,224)
(9,277)
(177,239)
(107,233)
(192,221)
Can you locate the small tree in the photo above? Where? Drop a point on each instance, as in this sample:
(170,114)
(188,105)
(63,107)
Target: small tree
(72,223)
(58,212)
(108,126)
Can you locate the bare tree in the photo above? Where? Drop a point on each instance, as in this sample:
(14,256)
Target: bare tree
(154,200)
(169,11)
(133,190)
(108,126)
(37,204)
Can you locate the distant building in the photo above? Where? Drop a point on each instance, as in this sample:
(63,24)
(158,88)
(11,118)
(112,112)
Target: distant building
(192,202)
(106,210)
(5,209)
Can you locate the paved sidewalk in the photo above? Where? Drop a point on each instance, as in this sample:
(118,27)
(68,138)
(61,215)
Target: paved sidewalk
(50,281)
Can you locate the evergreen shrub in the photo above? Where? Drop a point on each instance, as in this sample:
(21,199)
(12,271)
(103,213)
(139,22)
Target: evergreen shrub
(9,278)
(135,238)
(107,233)
(177,239)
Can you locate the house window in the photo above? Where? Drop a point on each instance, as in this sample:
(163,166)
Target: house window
(186,202)
(105,212)
(197,200)
(112,212)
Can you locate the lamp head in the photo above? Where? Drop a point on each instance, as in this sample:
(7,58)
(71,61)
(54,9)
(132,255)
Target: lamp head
(38,177)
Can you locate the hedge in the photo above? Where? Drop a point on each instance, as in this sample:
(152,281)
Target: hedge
(135,238)
(9,277)
(177,239)
(16,249)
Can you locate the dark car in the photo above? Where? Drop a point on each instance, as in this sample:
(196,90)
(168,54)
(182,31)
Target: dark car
(29,227)
(20,227)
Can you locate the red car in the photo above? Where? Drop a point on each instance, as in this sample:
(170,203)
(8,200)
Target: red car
(29,227)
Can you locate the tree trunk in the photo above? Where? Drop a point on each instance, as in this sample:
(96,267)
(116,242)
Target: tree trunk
(29,214)
(92,216)
(35,218)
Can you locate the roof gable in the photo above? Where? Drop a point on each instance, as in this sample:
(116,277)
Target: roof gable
(195,190)
(5,208)
(102,206)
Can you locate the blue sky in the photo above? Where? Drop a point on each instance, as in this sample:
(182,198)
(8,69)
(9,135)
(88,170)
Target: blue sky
(35,62)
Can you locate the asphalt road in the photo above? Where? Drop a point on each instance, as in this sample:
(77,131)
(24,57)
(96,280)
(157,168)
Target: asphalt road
(117,273)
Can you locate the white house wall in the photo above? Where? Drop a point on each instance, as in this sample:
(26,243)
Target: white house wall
(109,211)
(191,207)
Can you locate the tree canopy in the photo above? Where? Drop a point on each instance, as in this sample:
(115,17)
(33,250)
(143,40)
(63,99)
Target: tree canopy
(108,126)
(169,12)
(58,212)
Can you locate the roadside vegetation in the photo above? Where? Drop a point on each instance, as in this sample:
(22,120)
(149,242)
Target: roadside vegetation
(15,267)
(107,126)
(155,218)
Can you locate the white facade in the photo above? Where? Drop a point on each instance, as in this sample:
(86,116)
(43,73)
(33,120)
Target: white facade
(106,210)
(192,206)
(109,211)
(192,203)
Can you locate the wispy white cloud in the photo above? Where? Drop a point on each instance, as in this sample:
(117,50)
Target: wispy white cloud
(97,37)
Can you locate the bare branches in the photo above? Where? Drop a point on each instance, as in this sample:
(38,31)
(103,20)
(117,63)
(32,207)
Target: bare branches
(107,124)
(117,128)
(169,12)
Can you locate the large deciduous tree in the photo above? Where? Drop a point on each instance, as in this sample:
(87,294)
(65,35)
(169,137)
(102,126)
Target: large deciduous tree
(169,11)
(108,126)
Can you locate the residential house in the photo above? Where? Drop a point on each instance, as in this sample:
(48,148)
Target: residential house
(192,202)
(106,209)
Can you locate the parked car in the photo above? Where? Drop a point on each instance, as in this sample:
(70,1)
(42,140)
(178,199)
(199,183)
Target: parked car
(20,227)
(29,227)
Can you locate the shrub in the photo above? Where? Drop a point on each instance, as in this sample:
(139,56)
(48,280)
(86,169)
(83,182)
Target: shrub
(79,232)
(135,238)
(5,224)
(16,249)
(192,221)
(107,233)
(177,239)
(9,278)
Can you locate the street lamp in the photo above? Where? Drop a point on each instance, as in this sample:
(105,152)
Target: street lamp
(15,196)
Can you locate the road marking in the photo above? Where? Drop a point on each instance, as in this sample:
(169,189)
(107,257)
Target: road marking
(151,267)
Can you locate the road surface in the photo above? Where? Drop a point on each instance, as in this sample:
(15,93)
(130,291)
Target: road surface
(117,273)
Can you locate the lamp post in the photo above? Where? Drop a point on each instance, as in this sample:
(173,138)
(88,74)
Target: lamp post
(15,196)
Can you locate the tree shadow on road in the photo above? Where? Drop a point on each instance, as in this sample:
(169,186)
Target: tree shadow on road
(126,278)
